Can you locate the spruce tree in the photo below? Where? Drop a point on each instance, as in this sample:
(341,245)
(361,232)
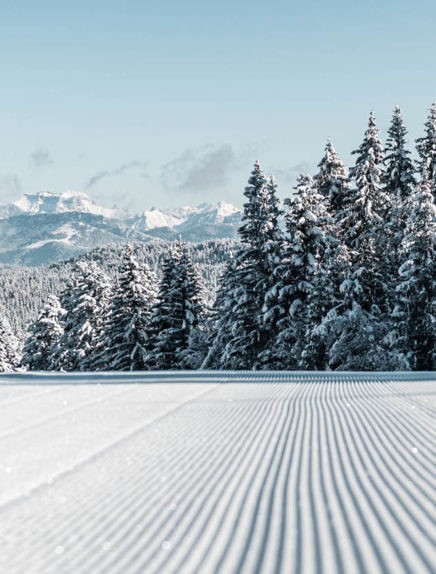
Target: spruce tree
(196,314)
(252,274)
(357,325)
(44,337)
(332,179)
(176,339)
(426,148)
(363,219)
(416,309)
(122,345)
(301,291)
(400,184)
(85,302)
(9,347)
(400,172)
(221,319)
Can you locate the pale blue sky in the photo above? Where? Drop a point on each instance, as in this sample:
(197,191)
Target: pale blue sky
(166,103)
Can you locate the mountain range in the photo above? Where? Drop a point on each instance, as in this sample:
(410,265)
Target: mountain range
(45,227)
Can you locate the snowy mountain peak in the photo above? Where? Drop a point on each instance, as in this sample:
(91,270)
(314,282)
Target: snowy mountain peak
(220,210)
(46,202)
(154,218)
(210,213)
(45,227)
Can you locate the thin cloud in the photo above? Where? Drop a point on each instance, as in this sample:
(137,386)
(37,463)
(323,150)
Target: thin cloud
(101,175)
(41,158)
(288,176)
(200,170)
(302,167)
(96,178)
(10,186)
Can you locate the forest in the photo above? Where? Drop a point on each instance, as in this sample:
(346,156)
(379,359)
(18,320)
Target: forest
(341,276)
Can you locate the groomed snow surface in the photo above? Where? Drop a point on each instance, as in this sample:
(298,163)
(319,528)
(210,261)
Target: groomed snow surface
(201,473)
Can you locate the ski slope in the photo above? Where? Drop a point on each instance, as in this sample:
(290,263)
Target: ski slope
(206,472)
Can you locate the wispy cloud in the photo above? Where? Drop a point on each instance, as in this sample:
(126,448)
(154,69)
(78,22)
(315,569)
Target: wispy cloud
(41,158)
(288,176)
(101,175)
(10,187)
(302,167)
(202,169)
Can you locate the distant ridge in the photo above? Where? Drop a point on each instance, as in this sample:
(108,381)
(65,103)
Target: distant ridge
(45,227)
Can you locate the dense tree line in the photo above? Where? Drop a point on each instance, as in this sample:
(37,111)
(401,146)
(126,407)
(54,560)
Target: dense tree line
(25,290)
(342,277)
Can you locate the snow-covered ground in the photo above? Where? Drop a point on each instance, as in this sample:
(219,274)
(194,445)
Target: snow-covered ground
(201,473)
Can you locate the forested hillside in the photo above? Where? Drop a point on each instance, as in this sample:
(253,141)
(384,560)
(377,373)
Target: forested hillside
(342,277)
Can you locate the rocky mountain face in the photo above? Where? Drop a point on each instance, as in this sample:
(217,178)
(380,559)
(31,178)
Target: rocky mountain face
(45,227)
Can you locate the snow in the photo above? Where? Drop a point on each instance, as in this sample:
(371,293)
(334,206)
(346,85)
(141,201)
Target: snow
(185,217)
(66,235)
(207,472)
(47,202)
(154,217)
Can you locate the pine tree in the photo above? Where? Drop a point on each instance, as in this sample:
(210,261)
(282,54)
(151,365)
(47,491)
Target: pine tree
(9,354)
(44,337)
(85,302)
(221,319)
(359,340)
(196,312)
(176,339)
(400,184)
(93,306)
(416,310)
(356,326)
(400,172)
(363,219)
(122,346)
(332,180)
(426,148)
(301,291)
(252,274)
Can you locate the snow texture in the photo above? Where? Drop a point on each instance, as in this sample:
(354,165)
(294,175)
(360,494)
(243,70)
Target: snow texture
(206,472)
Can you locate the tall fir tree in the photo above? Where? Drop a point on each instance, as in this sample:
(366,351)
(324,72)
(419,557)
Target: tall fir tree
(85,304)
(400,185)
(416,309)
(221,319)
(176,338)
(301,291)
(363,218)
(122,346)
(426,148)
(44,337)
(252,274)
(400,172)
(357,326)
(9,347)
(332,180)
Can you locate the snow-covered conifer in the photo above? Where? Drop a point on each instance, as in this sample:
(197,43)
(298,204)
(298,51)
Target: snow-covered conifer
(400,184)
(9,347)
(416,309)
(44,337)
(359,340)
(362,217)
(426,148)
(221,319)
(332,179)
(176,338)
(400,172)
(84,303)
(122,346)
(364,289)
(252,274)
(302,292)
